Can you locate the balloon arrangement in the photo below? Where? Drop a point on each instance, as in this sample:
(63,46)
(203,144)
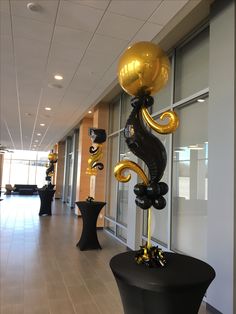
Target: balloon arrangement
(98,136)
(52,157)
(143,70)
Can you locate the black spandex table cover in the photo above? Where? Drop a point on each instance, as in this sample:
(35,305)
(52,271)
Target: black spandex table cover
(46,197)
(177,288)
(89,213)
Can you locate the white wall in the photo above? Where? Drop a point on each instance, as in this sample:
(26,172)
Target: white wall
(221,202)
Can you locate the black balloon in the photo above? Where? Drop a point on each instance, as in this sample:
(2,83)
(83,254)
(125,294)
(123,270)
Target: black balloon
(143,202)
(153,190)
(140,189)
(159,203)
(143,144)
(163,188)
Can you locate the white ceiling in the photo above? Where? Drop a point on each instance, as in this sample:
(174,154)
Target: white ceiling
(80,39)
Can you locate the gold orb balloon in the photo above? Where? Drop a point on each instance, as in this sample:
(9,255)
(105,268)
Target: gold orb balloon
(143,69)
(52,156)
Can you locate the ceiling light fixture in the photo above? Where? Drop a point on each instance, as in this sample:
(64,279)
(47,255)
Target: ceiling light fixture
(36,141)
(58,77)
(89,111)
(48,108)
(39,134)
(42,124)
(33,6)
(201,100)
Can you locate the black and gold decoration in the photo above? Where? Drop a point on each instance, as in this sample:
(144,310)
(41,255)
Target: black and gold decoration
(143,70)
(98,136)
(52,157)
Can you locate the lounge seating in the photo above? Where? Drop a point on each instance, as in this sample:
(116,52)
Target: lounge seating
(25,189)
(9,189)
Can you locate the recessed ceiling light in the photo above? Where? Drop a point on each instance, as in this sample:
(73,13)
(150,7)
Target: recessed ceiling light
(42,124)
(48,108)
(33,6)
(58,77)
(35,145)
(89,111)
(201,100)
(36,141)
(39,134)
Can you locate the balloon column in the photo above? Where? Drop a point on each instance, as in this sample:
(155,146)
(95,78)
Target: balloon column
(143,70)
(98,136)
(52,157)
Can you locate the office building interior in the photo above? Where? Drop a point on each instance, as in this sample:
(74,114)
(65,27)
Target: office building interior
(58,73)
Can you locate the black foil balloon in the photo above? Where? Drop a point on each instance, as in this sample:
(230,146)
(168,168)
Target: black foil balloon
(140,189)
(143,143)
(159,203)
(143,202)
(163,188)
(153,190)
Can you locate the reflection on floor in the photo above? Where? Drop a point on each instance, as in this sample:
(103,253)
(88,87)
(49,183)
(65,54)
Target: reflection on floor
(43,272)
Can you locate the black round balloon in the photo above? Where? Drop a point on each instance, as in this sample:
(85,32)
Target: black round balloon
(163,188)
(143,202)
(153,190)
(159,203)
(140,189)
(148,101)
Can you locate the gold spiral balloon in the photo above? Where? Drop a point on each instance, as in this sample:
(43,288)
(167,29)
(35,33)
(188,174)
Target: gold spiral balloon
(143,69)
(95,157)
(170,127)
(127,164)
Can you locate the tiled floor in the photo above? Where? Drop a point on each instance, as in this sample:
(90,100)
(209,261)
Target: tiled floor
(43,272)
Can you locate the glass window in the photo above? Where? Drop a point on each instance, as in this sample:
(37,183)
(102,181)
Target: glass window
(121,233)
(163,98)
(189,190)
(114,117)
(19,171)
(126,108)
(112,182)
(110,226)
(6,172)
(32,171)
(192,61)
(41,173)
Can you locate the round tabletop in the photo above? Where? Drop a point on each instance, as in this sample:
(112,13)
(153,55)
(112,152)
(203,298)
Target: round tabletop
(180,271)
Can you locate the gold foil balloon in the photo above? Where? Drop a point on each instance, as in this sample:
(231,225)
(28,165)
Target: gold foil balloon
(52,156)
(143,69)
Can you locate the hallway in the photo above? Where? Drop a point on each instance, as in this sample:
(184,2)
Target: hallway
(43,272)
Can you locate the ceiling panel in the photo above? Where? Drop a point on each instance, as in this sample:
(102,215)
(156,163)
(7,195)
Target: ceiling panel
(101,4)
(31,29)
(78,16)
(72,38)
(119,26)
(147,32)
(166,11)
(137,9)
(46,13)
(5,25)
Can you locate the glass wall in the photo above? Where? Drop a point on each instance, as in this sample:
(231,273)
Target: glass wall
(181,226)
(25,167)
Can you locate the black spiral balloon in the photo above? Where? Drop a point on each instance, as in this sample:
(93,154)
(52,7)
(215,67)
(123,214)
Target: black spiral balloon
(150,149)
